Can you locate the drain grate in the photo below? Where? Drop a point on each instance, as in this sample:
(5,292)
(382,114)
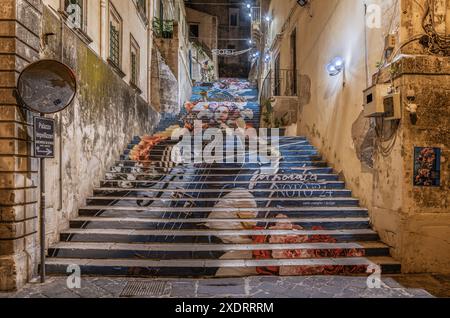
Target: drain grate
(146,289)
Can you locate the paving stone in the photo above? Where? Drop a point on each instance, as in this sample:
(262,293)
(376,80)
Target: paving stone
(251,287)
(221,287)
(185,289)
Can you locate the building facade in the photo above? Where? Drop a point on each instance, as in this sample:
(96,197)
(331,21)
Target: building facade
(376,42)
(234,25)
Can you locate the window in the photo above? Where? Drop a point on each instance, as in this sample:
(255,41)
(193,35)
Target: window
(233,17)
(142,6)
(115,37)
(76,11)
(134,61)
(194,31)
(161,10)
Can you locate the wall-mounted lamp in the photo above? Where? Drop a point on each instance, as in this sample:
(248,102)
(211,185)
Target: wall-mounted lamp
(336,66)
(267,18)
(267,58)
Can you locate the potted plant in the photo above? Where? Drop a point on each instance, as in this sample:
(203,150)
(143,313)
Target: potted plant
(282,123)
(267,114)
(167,29)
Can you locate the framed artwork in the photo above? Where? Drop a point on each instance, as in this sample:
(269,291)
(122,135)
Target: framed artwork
(427,167)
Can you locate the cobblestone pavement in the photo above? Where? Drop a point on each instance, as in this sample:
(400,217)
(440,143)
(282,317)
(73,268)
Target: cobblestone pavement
(252,287)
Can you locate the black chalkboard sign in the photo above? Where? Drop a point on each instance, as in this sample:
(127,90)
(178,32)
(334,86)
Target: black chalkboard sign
(44,137)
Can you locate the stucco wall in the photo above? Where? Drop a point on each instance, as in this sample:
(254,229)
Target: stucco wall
(98,31)
(104,117)
(414,221)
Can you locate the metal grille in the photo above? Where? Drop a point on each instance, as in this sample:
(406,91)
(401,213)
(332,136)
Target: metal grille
(114,42)
(146,289)
(134,77)
(256,15)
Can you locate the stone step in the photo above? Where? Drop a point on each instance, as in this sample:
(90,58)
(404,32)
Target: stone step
(195,192)
(273,178)
(154,212)
(176,251)
(211,268)
(290,149)
(299,159)
(210,235)
(236,147)
(177,221)
(230,170)
(249,162)
(259,184)
(227,141)
(284,202)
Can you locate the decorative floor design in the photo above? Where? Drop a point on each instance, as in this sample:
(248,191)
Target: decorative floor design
(154,215)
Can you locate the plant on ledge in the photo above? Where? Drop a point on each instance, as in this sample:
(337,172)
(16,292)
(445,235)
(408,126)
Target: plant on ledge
(267,112)
(163,28)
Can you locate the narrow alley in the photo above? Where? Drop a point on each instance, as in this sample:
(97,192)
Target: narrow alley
(224,149)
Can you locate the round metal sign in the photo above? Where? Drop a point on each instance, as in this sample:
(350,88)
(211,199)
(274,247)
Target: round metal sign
(47,86)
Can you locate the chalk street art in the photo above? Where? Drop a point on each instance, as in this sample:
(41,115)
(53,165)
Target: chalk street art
(230,196)
(427,167)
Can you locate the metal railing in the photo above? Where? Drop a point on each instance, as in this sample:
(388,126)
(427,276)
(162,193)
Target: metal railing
(256,15)
(283,82)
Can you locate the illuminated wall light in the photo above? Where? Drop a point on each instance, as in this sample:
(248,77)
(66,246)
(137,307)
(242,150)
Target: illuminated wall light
(267,18)
(336,66)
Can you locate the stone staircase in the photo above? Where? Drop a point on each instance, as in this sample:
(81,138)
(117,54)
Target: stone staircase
(153,217)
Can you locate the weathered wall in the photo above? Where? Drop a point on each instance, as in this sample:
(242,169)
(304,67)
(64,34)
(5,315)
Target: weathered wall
(414,221)
(19,46)
(175,85)
(104,117)
(133,26)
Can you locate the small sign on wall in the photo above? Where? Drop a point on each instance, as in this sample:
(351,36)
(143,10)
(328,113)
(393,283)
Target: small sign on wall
(44,137)
(427,167)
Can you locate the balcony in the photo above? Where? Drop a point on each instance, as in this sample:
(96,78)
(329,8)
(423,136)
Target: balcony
(279,83)
(281,87)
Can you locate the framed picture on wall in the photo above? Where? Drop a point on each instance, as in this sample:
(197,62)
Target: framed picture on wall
(427,167)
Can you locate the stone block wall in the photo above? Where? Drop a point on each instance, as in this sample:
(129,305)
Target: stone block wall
(19,46)
(90,134)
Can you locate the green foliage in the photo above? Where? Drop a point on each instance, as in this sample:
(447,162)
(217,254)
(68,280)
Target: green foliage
(163,28)
(267,113)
